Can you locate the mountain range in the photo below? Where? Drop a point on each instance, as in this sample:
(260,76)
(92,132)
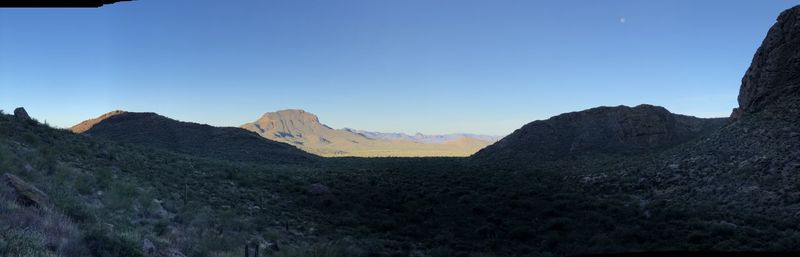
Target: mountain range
(304,130)
(423,138)
(607,180)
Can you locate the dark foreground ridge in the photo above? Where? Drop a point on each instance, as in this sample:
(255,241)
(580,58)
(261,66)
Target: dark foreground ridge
(58,3)
(601,130)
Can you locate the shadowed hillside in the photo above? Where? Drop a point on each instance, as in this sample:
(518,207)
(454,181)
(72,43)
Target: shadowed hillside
(65,194)
(602,130)
(154,130)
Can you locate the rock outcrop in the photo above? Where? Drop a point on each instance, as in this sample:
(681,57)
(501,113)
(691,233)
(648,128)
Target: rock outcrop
(773,78)
(602,130)
(27,194)
(20,113)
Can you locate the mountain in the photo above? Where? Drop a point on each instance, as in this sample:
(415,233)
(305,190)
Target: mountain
(601,130)
(157,131)
(304,130)
(422,138)
(608,180)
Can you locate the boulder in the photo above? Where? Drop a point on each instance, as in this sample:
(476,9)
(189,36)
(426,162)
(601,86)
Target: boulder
(20,113)
(318,189)
(27,194)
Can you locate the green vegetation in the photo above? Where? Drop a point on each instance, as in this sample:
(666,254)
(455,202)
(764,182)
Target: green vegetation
(119,195)
(110,198)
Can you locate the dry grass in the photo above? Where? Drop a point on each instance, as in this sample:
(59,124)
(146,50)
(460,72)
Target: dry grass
(29,231)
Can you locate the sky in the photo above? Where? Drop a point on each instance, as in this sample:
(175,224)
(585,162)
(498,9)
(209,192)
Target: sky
(430,66)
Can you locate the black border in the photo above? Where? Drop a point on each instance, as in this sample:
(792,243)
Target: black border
(56,3)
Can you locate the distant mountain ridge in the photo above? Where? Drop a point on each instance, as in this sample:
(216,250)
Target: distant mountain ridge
(226,143)
(423,138)
(304,130)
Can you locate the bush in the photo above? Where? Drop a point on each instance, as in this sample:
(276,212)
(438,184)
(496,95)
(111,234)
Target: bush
(31,138)
(72,207)
(14,242)
(121,196)
(84,185)
(103,244)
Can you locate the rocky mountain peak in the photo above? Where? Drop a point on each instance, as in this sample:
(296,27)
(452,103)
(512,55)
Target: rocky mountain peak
(286,123)
(291,114)
(772,78)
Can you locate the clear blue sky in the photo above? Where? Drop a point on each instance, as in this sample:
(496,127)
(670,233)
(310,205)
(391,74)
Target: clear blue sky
(426,66)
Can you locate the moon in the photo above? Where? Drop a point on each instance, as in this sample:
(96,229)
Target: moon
(622,20)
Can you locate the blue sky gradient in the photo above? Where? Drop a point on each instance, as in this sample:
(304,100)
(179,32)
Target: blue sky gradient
(425,66)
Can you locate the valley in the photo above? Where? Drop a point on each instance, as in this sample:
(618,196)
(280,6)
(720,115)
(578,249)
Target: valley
(304,130)
(605,180)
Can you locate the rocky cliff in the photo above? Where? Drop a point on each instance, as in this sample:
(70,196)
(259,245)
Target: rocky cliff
(773,79)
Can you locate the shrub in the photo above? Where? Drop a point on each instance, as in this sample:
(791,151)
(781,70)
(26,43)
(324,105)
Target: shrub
(72,207)
(84,185)
(161,227)
(30,138)
(14,242)
(104,244)
(121,196)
